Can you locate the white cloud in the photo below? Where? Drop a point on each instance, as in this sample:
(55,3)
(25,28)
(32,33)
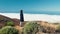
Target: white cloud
(42,17)
(34,17)
(11,15)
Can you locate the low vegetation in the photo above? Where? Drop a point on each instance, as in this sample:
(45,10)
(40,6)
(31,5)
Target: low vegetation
(58,29)
(9,23)
(8,30)
(31,28)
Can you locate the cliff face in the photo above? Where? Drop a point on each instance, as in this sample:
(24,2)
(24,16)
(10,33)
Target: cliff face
(4,19)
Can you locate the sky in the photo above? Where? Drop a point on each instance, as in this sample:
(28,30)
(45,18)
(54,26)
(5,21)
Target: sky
(51,7)
(44,10)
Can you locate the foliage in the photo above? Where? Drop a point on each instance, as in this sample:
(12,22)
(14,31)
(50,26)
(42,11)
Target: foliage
(31,28)
(9,23)
(8,30)
(58,27)
(56,23)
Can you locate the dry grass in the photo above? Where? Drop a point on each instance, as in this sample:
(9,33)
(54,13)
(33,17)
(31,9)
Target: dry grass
(42,23)
(19,28)
(47,24)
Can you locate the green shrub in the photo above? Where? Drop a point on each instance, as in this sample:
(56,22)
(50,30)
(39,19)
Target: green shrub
(8,30)
(58,27)
(31,28)
(9,23)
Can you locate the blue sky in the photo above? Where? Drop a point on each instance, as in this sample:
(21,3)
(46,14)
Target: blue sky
(30,6)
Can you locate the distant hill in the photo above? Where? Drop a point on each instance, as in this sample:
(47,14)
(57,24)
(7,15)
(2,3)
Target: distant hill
(16,21)
(4,19)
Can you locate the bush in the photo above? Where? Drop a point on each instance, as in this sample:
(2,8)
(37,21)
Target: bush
(8,30)
(9,23)
(31,28)
(58,29)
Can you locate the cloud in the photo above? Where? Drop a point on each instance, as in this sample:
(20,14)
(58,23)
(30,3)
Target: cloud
(11,15)
(34,17)
(42,17)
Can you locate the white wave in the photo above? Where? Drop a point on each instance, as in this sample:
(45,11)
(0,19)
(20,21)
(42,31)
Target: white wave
(34,17)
